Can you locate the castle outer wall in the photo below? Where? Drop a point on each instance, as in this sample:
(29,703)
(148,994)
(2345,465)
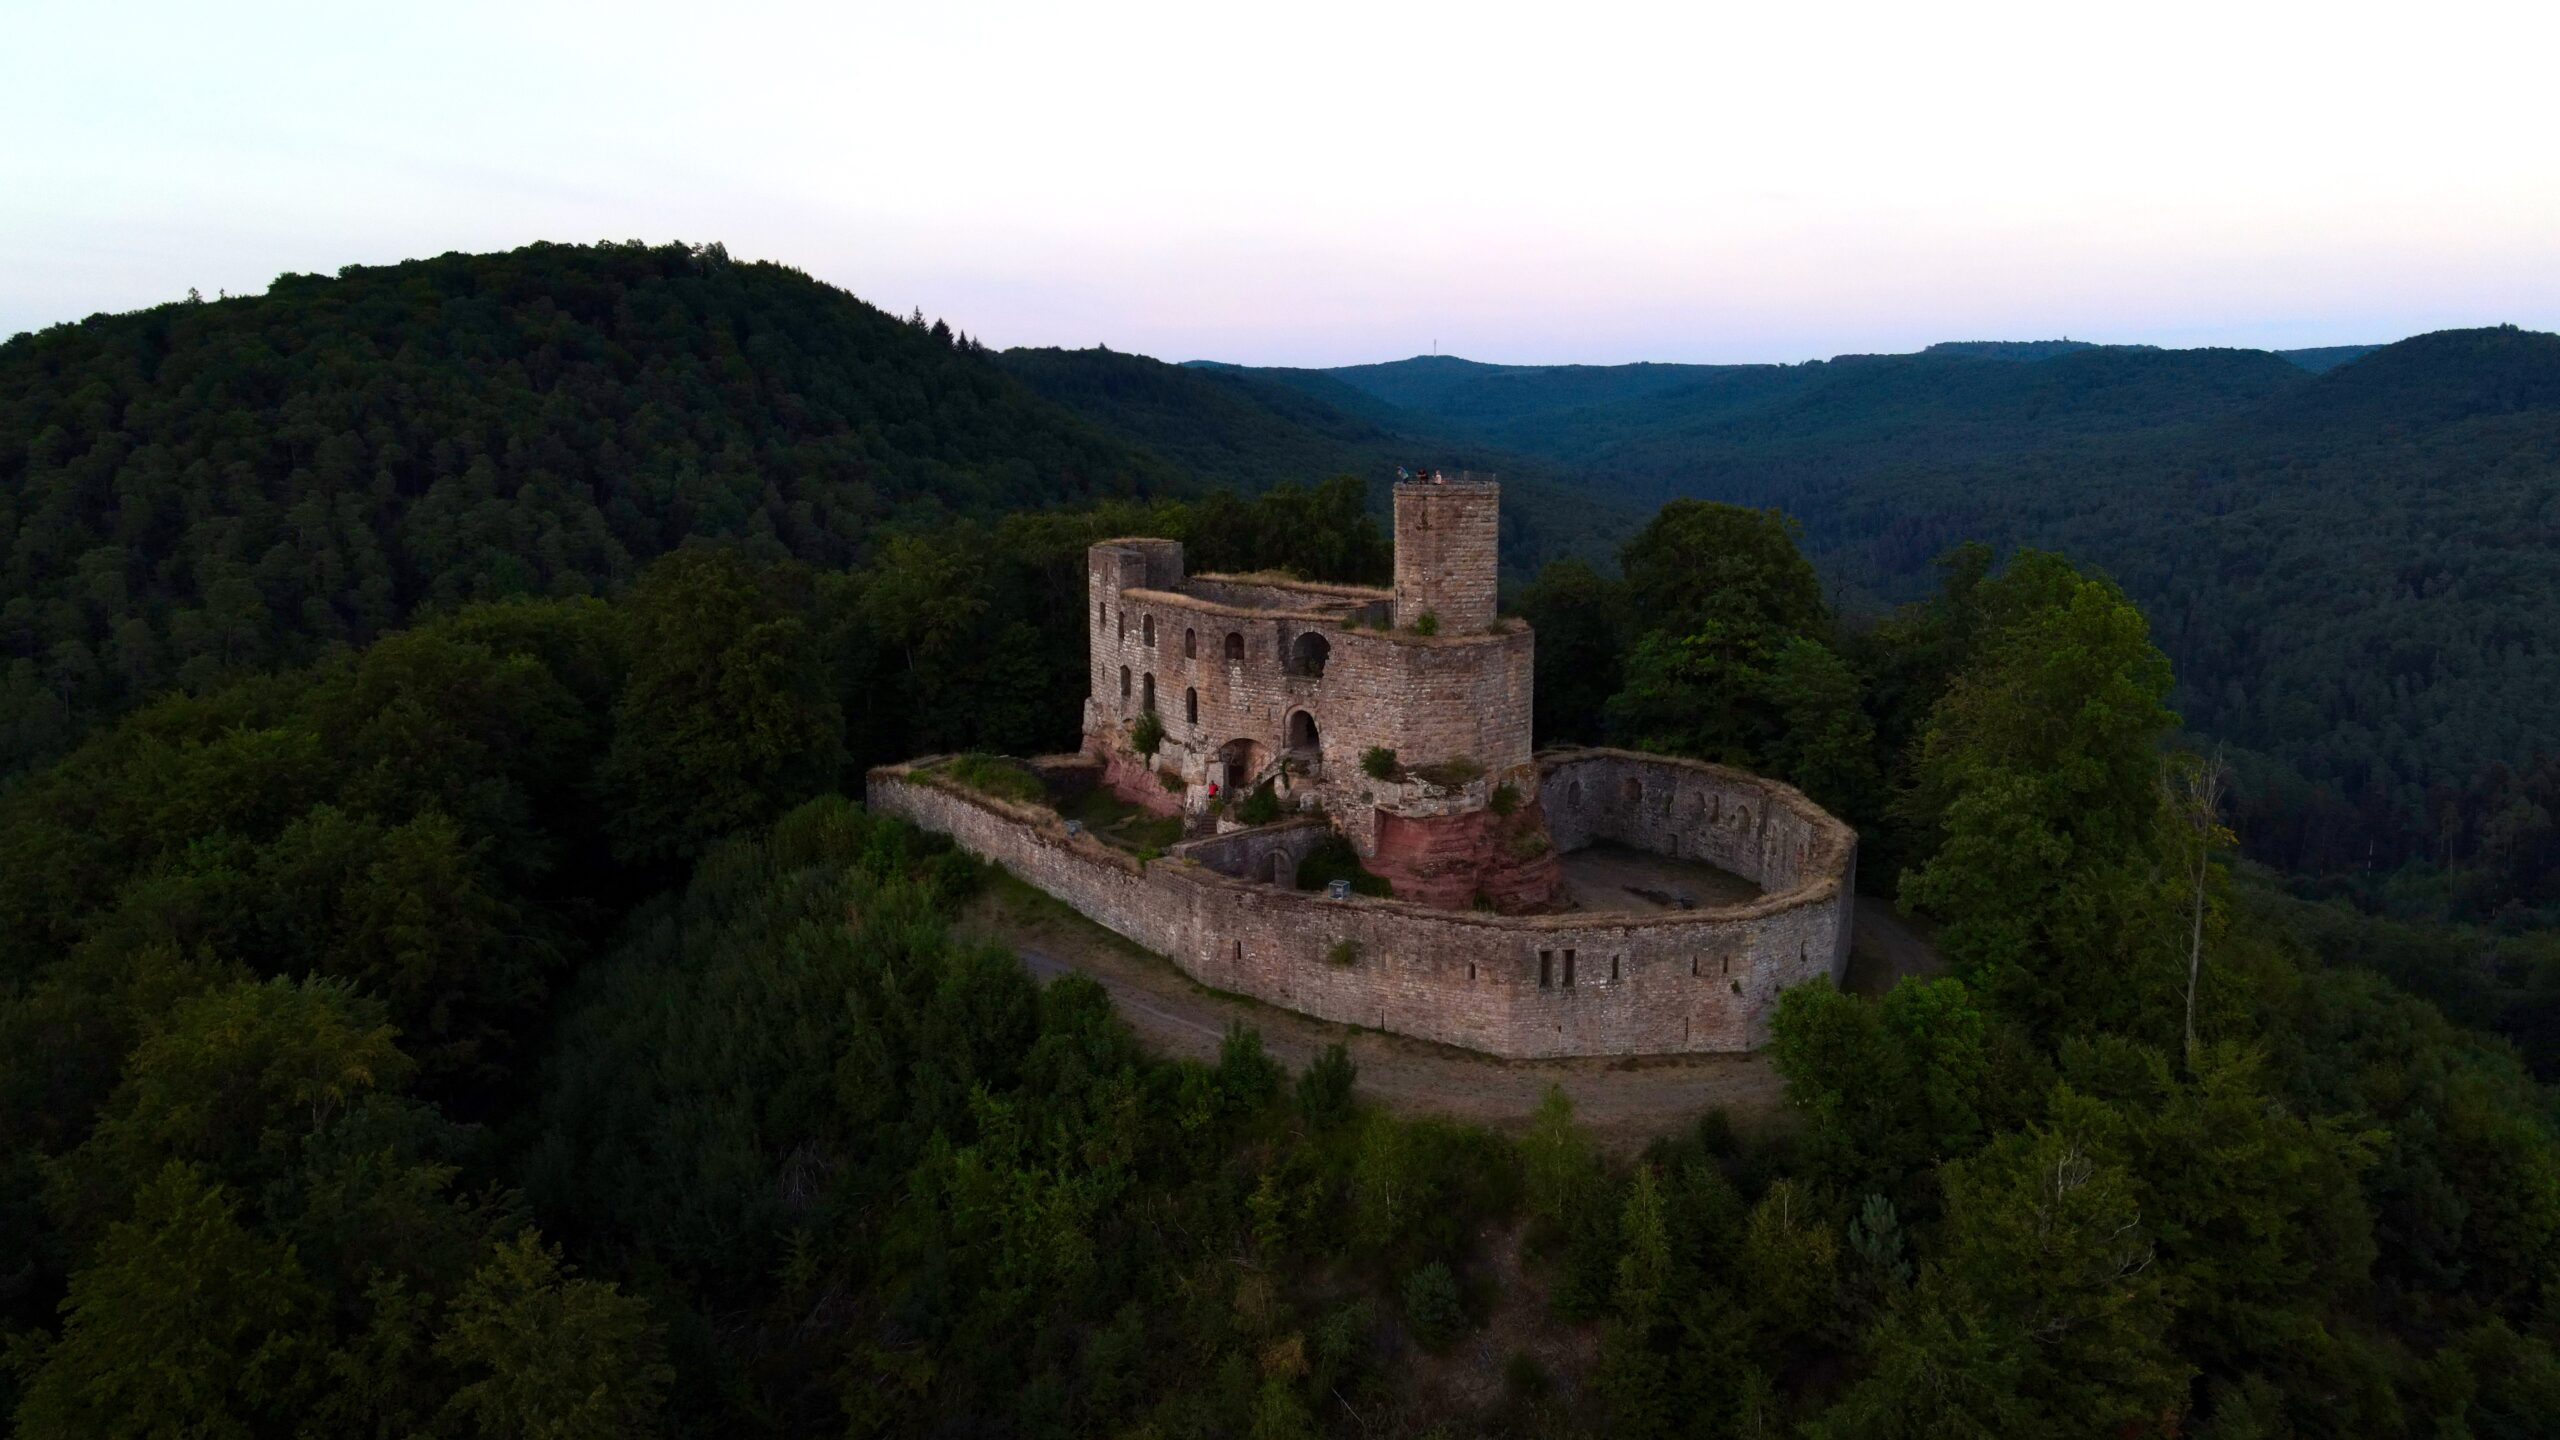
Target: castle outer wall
(1519,987)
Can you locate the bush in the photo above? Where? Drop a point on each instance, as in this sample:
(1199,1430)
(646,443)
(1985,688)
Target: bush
(1148,734)
(1324,1091)
(1171,781)
(1715,1133)
(1432,1308)
(1528,844)
(1506,798)
(1261,807)
(1378,763)
(997,776)
(1344,954)
(1426,623)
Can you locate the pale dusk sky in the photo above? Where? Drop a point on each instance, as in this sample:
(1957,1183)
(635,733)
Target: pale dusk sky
(1326,184)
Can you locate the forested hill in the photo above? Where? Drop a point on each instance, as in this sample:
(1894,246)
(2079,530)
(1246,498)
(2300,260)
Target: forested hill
(1660,430)
(1254,429)
(2348,552)
(205,489)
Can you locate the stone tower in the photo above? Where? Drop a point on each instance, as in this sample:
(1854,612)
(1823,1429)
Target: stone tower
(1447,536)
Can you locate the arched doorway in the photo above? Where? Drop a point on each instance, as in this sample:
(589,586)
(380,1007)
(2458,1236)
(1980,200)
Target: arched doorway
(1303,739)
(1240,761)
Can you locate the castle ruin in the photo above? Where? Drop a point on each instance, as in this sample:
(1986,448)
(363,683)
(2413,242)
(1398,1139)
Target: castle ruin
(1569,903)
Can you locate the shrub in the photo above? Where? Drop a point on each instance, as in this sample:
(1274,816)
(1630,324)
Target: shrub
(1170,780)
(1715,1133)
(997,776)
(1527,844)
(1426,623)
(1324,1091)
(1431,1306)
(1148,734)
(1261,807)
(1344,954)
(1378,763)
(1506,798)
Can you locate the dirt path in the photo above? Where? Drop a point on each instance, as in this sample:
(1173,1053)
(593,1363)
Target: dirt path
(1622,1103)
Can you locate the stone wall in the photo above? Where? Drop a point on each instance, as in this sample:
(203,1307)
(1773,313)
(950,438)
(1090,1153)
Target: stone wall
(1447,538)
(1427,698)
(1584,983)
(1267,853)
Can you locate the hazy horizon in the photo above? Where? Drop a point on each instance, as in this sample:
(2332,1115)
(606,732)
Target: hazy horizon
(1340,183)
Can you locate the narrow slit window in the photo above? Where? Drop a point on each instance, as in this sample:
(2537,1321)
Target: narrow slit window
(1568,967)
(1546,969)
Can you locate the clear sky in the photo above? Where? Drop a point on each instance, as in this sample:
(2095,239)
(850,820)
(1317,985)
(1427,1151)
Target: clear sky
(1311,183)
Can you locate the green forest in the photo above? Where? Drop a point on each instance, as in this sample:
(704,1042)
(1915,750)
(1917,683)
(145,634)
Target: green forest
(2347,553)
(493,1013)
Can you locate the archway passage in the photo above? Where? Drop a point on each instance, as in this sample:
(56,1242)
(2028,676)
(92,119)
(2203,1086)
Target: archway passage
(1303,738)
(1308,655)
(1241,761)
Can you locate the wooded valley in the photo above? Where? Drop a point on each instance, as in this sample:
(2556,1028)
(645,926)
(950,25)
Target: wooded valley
(448,984)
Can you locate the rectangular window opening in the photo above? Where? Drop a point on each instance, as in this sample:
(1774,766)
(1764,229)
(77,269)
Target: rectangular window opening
(1568,967)
(1546,968)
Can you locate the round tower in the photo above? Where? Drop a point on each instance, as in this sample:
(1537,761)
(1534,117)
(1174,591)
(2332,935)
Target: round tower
(1447,533)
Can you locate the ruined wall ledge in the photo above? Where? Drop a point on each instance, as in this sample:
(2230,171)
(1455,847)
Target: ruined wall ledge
(1504,628)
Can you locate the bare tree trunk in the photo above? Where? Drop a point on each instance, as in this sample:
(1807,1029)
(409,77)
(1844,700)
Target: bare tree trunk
(2198,795)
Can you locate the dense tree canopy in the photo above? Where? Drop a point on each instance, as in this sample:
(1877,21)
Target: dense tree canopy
(501,1021)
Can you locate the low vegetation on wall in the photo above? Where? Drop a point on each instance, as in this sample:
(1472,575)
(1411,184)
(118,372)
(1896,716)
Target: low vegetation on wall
(994,775)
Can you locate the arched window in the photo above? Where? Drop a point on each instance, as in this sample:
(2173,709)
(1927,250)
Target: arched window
(1190,706)
(1124,684)
(1147,631)
(1308,655)
(1635,790)
(1124,627)
(1190,644)
(1147,700)
(1235,647)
